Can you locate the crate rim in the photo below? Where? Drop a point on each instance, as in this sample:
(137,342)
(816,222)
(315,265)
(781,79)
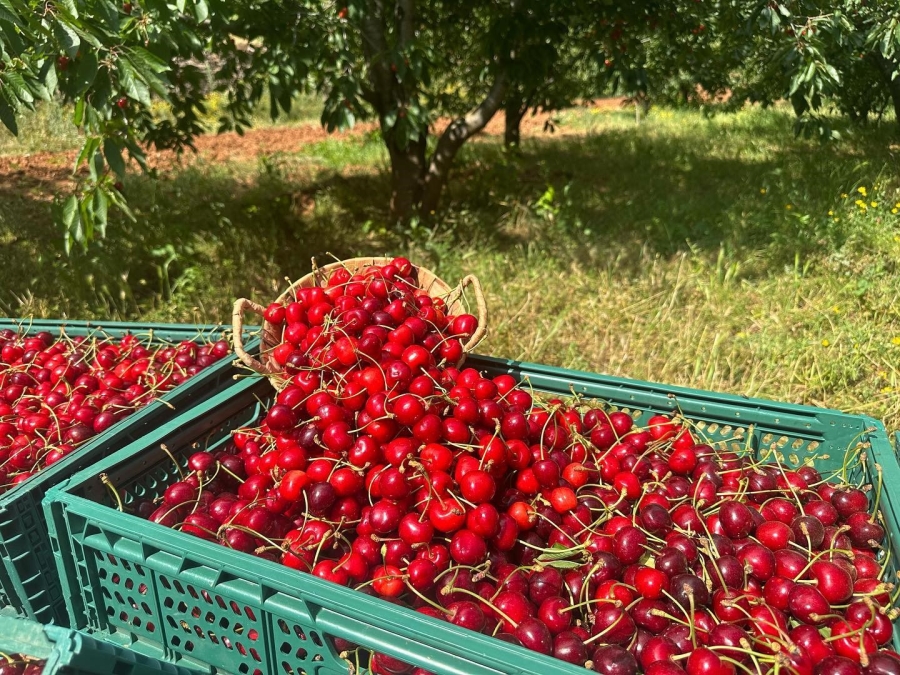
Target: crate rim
(223,562)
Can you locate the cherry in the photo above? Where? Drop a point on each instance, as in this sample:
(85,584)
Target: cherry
(613,660)
(568,647)
(552,615)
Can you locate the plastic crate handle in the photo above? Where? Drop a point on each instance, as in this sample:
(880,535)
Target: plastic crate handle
(382,640)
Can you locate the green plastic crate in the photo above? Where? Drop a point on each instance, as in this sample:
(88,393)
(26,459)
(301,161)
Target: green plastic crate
(29,583)
(177,597)
(68,652)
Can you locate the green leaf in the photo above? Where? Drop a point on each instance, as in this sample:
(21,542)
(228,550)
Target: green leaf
(78,115)
(143,60)
(101,208)
(8,114)
(96,166)
(132,86)
(85,72)
(70,212)
(7,13)
(180,5)
(47,74)
(201,10)
(91,145)
(113,154)
(109,13)
(19,87)
(68,38)
(69,6)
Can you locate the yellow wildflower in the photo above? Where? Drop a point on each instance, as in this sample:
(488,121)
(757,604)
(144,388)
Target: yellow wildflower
(886,390)
(843,195)
(861,190)
(825,343)
(830,212)
(861,204)
(895,210)
(788,207)
(896,340)
(762,191)
(836,309)
(873,204)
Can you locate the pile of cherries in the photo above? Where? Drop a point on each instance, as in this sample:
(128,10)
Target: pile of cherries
(58,392)
(16,664)
(547,523)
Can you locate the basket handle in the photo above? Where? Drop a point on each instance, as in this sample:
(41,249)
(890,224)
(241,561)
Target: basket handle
(481,304)
(237,324)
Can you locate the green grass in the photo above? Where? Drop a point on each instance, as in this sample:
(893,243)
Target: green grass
(716,253)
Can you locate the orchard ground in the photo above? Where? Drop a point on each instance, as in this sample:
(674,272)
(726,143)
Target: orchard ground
(718,253)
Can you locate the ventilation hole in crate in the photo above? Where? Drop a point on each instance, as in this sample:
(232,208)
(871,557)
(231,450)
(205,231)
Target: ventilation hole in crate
(165,583)
(235,608)
(116,579)
(110,611)
(136,621)
(813,446)
(282,624)
(782,441)
(712,428)
(129,584)
(102,573)
(299,632)
(140,570)
(253,634)
(249,613)
(175,640)
(221,602)
(302,653)
(255,655)
(131,602)
(119,598)
(224,623)
(123,617)
(199,632)
(316,639)
(241,649)
(244,669)
(206,596)
(195,612)
(189,646)
(285,648)
(193,592)
(227,642)
(726,430)
(105,591)
(126,565)
(151,627)
(146,608)
(286,668)
(142,589)
(112,560)
(168,603)
(178,586)
(210,617)
(182,607)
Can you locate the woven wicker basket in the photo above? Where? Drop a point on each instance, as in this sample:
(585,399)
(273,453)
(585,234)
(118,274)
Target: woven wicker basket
(426,280)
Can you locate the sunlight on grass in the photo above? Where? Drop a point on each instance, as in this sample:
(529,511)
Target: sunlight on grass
(719,253)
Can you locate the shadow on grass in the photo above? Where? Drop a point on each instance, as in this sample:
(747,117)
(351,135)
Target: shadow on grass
(210,233)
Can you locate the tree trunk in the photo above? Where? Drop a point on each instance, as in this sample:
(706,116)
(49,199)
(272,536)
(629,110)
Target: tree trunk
(407,177)
(515,111)
(459,131)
